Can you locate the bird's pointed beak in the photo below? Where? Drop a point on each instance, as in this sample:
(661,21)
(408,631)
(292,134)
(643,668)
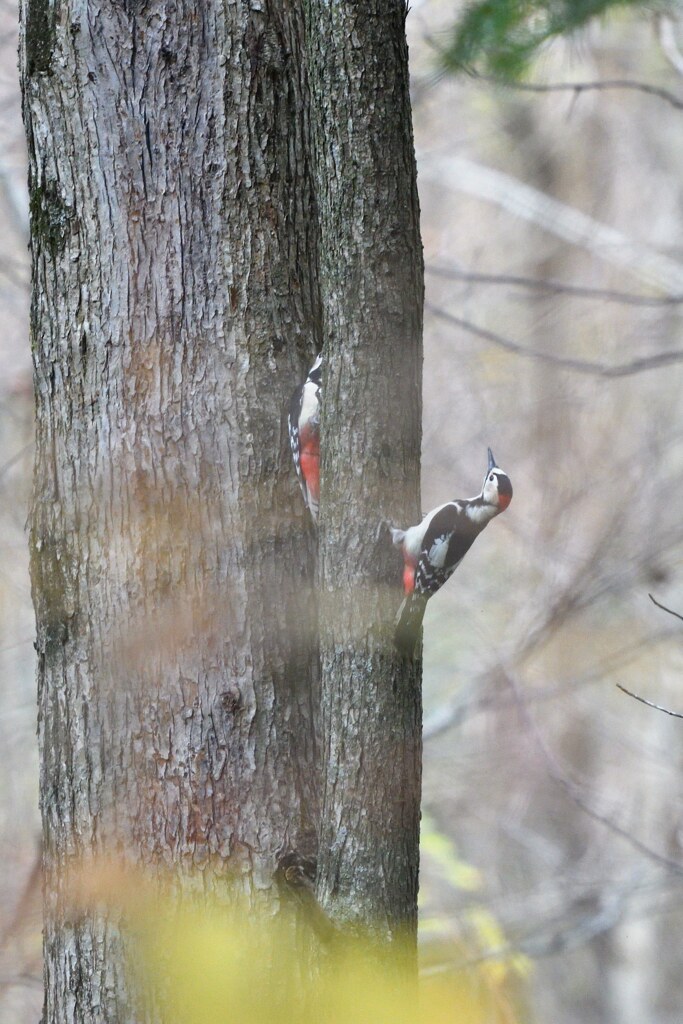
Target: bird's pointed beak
(492,461)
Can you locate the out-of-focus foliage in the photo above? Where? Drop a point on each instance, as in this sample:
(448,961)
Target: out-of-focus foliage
(483,942)
(442,851)
(501,37)
(197,961)
(213,967)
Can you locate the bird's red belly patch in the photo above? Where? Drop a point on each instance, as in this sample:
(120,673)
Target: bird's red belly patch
(409,575)
(310,466)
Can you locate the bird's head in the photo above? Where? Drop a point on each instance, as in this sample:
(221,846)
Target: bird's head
(315,373)
(497,489)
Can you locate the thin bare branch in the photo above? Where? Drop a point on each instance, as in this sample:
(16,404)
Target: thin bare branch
(640,365)
(577,88)
(452,713)
(650,704)
(601,85)
(665,609)
(555,287)
(574,793)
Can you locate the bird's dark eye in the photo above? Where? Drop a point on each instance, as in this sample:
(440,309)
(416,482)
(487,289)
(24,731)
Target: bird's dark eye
(491,478)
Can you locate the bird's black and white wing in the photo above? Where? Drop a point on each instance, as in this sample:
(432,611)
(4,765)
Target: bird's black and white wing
(447,540)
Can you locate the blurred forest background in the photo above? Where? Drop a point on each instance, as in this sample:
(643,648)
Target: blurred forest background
(552,226)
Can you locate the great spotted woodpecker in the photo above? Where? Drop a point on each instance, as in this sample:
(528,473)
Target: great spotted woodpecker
(434,548)
(304,435)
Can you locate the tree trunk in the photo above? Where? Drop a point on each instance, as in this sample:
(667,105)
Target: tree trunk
(371,278)
(176,303)
(174,308)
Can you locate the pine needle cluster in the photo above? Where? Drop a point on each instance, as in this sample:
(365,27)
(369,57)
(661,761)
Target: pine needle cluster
(500,38)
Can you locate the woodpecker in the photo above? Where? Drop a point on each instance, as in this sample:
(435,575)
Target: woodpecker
(434,549)
(304,435)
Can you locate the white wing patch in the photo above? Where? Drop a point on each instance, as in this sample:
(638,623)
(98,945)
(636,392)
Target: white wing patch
(439,550)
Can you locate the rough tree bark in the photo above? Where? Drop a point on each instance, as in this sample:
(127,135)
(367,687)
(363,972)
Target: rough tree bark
(176,302)
(371,278)
(173,311)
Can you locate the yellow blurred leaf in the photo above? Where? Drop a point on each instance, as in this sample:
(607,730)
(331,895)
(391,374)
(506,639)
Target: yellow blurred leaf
(443,852)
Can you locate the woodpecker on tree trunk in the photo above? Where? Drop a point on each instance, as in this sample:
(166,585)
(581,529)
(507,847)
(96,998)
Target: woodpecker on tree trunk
(434,548)
(304,435)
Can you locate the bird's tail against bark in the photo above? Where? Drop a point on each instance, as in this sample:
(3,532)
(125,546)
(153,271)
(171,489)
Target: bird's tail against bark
(408,621)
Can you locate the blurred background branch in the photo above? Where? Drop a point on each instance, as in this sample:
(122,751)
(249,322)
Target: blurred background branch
(642,365)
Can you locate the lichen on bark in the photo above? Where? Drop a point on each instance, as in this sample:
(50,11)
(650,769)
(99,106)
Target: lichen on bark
(39,18)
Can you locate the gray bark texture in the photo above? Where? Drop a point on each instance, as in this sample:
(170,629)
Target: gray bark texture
(178,273)
(371,278)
